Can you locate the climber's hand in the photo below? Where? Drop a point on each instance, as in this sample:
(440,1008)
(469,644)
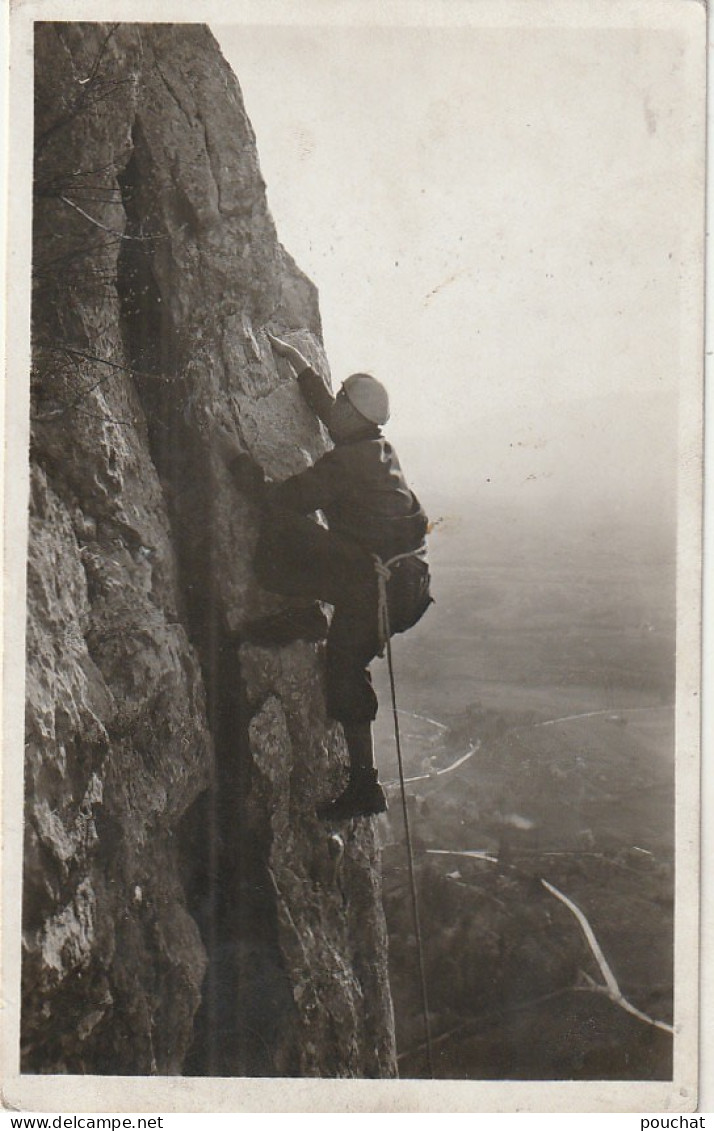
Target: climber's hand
(282,348)
(290,353)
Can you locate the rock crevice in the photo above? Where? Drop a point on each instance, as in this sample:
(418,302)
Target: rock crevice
(182,908)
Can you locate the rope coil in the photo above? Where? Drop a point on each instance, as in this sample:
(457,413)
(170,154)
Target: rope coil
(384,573)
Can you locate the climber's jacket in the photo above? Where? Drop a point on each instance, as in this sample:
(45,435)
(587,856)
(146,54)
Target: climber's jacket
(358,485)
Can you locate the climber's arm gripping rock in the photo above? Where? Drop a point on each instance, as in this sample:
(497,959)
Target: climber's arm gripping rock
(308,491)
(313,388)
(305,492)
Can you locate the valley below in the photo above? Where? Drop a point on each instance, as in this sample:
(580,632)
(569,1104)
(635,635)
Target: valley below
(536,714)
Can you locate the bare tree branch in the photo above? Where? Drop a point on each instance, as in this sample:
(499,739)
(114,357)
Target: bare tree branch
(85,356)
(56,413)
(81,99)
(45,267)
(104,228)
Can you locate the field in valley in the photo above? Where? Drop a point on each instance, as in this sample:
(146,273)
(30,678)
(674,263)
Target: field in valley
(536,711)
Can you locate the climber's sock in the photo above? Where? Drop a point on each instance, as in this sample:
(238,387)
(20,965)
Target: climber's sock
(360,746)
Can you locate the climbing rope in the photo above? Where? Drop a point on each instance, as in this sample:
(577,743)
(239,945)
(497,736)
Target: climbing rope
(383,571)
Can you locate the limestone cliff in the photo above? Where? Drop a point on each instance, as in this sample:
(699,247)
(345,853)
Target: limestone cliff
(182,910)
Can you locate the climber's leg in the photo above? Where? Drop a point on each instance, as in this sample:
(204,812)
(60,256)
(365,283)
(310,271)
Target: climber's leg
(297,557)
(301,560)
(351,644)
(360,746)
(363,796)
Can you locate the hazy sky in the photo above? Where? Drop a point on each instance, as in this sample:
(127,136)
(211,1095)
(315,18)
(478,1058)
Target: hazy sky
(497,222)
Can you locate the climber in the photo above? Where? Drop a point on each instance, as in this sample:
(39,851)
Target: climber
(371,512)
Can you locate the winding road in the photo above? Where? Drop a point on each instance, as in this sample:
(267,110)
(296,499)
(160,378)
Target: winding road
(614,713)
(611,988)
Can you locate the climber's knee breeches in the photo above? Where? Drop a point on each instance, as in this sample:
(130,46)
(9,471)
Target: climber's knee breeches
(352,644)
(299,558)
(350,695)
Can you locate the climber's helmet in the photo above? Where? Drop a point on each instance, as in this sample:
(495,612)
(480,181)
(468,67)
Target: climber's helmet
(368,396)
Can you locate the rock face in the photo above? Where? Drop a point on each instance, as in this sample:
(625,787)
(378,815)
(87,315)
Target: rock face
(183,909)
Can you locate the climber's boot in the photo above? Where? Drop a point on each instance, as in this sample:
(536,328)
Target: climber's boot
(363,797)
(302,623)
